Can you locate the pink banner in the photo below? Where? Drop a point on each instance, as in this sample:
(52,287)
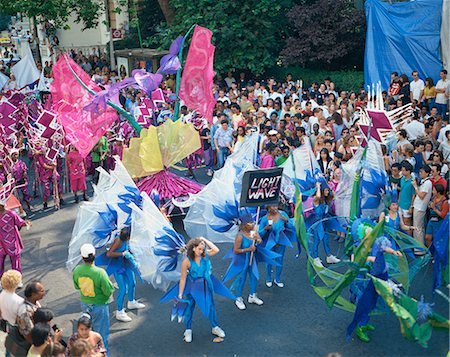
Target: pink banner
(82,128)
(197,80)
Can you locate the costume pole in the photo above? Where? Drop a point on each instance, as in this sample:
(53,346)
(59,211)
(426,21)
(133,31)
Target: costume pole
(127,115)
(256,231)
(177,85)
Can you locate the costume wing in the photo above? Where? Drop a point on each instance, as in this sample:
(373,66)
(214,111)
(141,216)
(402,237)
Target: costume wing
(155,245)
(221,192)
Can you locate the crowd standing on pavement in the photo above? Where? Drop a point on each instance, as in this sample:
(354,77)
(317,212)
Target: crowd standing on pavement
(286,112)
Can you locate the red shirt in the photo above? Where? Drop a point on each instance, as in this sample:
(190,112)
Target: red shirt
(441,181)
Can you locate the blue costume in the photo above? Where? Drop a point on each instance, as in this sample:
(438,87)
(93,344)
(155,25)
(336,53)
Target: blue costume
(240,265)
(124,269)
(199,289)
(276,239)
(320,212)
(368,299)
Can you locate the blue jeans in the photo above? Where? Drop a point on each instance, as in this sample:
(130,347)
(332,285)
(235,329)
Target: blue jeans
(442,108)
(280,250)
(221,156)
(127,284)
(100,319)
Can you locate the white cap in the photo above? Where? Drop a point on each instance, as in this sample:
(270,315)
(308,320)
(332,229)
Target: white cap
(87,249)
(272,132)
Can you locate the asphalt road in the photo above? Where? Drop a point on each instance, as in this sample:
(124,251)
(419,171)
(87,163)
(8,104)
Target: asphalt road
(292,321)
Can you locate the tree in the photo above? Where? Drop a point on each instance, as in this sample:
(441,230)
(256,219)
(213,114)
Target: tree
(57,11)
(5,20)
(247,34)
(326,33)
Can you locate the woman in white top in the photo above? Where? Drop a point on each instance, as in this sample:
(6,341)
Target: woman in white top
(9,300)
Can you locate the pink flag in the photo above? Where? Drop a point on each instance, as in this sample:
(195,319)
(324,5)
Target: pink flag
(197,81)
(83,128)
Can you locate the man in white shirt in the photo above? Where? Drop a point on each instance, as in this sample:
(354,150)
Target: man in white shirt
(441,91)
(416,87)
(230,79)
(441,136)
(423,196)
(222,98)
(414,128)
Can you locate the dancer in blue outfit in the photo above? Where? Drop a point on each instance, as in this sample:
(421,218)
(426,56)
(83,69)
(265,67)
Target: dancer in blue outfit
(321,203)
(197,286)
(120,262)
(277,233)
(368,299)
(246,254)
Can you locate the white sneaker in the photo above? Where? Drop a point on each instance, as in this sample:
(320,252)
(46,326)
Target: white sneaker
(318,262)
(240,303)
(280,285)
(331,259)
(209,173)
(253,299)
(269,284)
(188,336)
(122,316)
(135,305)
(218,332)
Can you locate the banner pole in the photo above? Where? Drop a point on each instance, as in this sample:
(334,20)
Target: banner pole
(256,231)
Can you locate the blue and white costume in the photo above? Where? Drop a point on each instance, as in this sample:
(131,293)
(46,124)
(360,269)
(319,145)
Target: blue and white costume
(277,238)
(199,289)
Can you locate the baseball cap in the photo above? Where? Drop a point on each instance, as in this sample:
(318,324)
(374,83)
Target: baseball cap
(86,250)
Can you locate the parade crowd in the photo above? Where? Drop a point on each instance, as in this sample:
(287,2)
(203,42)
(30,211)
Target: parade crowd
(287,114)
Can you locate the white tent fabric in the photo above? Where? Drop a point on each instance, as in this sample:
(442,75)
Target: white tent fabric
(25,70)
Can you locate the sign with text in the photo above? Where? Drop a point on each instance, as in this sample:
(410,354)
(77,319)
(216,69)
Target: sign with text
(261,187)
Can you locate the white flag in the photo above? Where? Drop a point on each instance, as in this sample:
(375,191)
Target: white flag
(42,86)
(3,80)
(25,70)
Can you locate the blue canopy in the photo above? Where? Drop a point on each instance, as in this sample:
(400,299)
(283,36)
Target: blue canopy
(402,37)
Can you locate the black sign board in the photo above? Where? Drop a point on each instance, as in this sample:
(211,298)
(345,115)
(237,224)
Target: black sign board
(261,187)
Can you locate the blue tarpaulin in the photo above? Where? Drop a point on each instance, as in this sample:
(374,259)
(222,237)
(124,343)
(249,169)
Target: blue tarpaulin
(402,37)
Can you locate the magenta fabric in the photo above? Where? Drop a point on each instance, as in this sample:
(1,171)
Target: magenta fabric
(197,80)
(83,128)
(10,240)
(168,185)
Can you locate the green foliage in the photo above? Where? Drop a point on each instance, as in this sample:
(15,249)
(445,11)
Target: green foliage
(5,20)
(57,11)
(344,80)
(247,34)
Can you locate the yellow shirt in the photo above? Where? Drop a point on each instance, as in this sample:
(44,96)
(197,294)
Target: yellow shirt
(429,92)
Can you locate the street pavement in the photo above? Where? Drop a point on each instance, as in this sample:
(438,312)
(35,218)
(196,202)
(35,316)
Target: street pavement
(292,321)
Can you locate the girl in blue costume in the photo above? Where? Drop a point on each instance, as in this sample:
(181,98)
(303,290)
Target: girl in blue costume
(322,201)
(197,286)
(368,299)
(123,266)
(245,263)
(277,232)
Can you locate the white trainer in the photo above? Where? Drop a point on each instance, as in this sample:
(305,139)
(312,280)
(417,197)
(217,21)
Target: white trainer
(254,299)
(318,262)
(218,332)
(240,303)
(331,259)
(269,284)
(135,305)
(188,336)
(122,316)
(280,285)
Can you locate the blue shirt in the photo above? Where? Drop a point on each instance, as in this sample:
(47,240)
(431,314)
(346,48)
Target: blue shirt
(224,137)
(406,193)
